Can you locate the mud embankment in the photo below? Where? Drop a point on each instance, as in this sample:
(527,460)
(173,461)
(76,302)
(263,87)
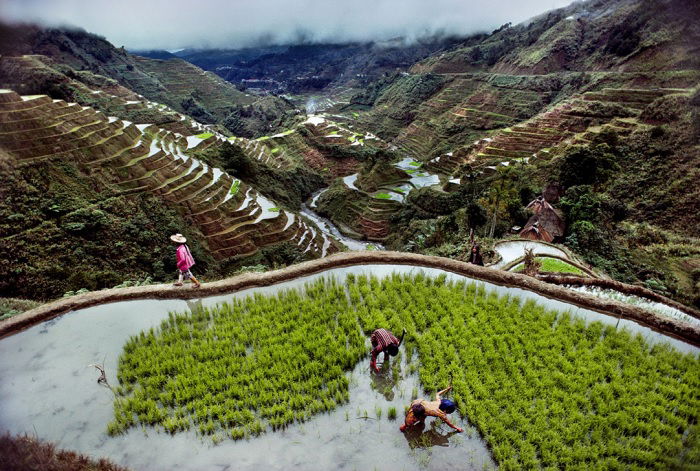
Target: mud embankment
(673,327)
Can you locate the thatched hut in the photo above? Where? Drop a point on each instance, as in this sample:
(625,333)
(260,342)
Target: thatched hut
(546,223)
(535,232)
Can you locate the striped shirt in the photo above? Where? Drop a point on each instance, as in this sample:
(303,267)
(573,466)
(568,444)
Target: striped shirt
(381,338)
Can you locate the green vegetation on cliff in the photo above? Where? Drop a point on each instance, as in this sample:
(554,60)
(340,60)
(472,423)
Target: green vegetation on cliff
(62,231)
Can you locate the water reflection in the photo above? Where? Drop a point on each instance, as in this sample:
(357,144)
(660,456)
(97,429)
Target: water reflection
(418,437)
(386,380)
(194,305)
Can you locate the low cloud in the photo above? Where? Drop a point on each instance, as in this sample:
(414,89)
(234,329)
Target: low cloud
(172,24)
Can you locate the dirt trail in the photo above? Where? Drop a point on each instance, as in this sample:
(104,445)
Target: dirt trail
(673,327)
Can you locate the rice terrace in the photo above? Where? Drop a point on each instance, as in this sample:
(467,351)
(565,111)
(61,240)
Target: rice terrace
(397,235)
(578,393)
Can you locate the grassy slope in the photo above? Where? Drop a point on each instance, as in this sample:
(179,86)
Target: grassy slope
(553,265)
(12,306)
(62,231)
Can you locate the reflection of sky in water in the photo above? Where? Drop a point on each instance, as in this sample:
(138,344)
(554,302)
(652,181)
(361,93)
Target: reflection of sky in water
(350,181)
(422,179)
(512,250)
(659,308)
(47,388)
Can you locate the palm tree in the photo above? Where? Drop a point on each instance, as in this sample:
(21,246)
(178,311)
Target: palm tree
(499,195)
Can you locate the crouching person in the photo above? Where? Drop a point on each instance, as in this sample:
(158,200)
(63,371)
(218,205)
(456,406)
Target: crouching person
(420,409)
(384,341)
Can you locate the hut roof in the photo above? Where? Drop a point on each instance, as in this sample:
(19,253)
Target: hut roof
(536,232)
(546,216)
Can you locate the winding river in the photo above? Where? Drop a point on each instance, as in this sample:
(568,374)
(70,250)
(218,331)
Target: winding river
(331,230)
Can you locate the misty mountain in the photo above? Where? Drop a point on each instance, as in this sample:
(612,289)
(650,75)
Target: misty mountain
(154,54)
(312,67)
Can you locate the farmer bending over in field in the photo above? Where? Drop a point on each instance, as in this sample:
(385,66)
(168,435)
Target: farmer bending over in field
(420,409)
(384,341)
(185,261)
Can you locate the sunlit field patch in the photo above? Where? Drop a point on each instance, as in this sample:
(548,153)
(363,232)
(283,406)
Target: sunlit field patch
(543,389)
(553,265)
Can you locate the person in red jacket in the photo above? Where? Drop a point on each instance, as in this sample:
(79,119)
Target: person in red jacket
(185,261)
(384,341)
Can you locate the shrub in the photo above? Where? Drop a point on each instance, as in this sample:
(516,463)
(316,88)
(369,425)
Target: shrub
(84,219)
(25,452)
(587,165)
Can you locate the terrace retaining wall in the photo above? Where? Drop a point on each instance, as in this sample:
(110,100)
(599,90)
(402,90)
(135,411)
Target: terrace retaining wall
(634,290)
(673,327)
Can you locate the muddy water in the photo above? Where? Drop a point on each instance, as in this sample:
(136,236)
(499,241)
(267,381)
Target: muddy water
(47,388)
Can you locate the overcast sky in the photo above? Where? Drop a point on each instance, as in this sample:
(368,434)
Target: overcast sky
(173,24)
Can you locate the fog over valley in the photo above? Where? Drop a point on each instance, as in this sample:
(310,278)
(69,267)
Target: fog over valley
(224,24)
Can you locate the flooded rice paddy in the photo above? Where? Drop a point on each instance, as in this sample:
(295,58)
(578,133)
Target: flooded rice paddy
(512,250)
(47,388)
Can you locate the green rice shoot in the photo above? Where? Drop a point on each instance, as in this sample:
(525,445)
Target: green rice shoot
(553,265)
(235,187)
(543,389)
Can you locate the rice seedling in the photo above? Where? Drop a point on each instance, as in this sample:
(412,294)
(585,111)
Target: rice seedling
(205,135)
(544,389)
(235,187)
(553,265)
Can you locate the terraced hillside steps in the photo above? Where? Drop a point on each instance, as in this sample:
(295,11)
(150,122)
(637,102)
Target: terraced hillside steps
(466,107)
(578,119)
(234,219)
(111,98)
(374,221)
(260,151)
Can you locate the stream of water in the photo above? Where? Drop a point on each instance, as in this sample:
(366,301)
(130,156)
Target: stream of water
(331,230)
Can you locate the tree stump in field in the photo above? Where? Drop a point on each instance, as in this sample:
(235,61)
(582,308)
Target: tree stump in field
(532,265)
